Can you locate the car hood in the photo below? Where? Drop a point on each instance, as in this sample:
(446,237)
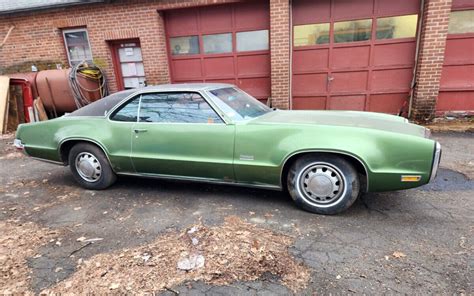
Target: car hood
(369,120)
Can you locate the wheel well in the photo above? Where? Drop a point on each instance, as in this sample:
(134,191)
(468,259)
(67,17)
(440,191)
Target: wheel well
(360,168)
(66,147)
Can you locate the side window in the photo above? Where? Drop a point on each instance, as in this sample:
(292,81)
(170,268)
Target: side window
(176,108)
(128,112)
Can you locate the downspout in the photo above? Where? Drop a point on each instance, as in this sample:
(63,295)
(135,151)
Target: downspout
(417,53)
(291,57)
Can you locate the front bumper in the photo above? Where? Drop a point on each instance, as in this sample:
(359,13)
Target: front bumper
(436,160)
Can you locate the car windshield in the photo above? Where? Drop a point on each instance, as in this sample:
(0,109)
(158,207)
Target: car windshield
(238,105)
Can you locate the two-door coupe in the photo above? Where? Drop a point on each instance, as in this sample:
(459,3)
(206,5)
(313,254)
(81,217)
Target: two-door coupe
(218,133)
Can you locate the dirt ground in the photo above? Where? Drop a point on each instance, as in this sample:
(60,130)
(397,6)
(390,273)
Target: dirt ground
(169,237)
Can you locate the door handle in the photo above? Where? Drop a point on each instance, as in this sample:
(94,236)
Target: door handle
(140,130)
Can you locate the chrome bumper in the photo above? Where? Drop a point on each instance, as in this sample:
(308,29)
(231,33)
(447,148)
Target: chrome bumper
(18,144)
(436,160)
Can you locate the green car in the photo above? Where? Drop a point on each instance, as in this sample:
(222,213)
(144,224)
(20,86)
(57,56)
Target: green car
(218,133)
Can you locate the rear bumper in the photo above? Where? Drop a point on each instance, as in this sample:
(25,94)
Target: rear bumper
(436,160)
(18,144)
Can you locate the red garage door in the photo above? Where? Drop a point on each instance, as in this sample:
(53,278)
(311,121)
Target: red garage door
(353,54)
(457,78)
(224,43)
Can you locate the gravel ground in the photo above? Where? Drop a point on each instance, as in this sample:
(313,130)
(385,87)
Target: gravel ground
(415,241)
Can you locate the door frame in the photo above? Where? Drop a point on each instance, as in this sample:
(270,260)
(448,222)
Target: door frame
(114,47)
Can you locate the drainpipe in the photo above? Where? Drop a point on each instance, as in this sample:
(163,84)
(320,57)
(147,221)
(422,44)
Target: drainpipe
(291,57)
(417,53)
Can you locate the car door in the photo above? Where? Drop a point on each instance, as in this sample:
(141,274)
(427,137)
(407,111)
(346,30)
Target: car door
(179,134)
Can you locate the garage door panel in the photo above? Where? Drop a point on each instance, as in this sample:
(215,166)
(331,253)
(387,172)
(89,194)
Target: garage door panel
(216,18)
(253,65)
(385,8)
(218,67)
(455,101)
(349,81)
(351,57)
(395,54)
(214,62)
(252,15)
(309,84)
(350,9)
(392,80)
(310,60)
(342,70)
(187,69)
(310,11)
(309,103)
(347,103)
(462,3)
(182,22)
(228,81)
(257,87)
(387,103)
(459,51)
(457,76)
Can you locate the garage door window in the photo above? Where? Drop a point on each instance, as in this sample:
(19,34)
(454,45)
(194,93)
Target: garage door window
(351,31)
(461,22)
(252,40)
(217,43)
(397,27)
(311,34)
(184,45)
(77,46)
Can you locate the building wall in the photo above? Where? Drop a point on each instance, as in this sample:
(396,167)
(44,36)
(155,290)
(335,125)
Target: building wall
(280,41)
(431,57)
(37,38)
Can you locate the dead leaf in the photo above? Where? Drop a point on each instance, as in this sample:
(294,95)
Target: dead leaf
(398,254)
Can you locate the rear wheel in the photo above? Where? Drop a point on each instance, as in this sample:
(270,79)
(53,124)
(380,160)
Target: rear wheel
(90,167)
(323,184)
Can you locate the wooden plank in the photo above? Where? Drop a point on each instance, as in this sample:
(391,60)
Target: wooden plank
(39,107)
(13,118)
(4,91)
(20,103)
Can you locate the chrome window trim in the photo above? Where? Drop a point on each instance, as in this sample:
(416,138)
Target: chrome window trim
(143,92)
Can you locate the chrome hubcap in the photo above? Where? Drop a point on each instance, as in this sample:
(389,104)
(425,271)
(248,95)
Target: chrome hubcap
(88,167)
(322,183)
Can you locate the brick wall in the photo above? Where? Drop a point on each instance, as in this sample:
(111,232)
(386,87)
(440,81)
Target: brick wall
(280,53)
(37,36)
(431,57)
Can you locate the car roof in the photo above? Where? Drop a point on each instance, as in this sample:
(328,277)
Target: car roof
(184,87)
(104,105)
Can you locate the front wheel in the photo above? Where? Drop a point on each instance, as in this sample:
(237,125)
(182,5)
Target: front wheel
(90,167)
(323,184)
